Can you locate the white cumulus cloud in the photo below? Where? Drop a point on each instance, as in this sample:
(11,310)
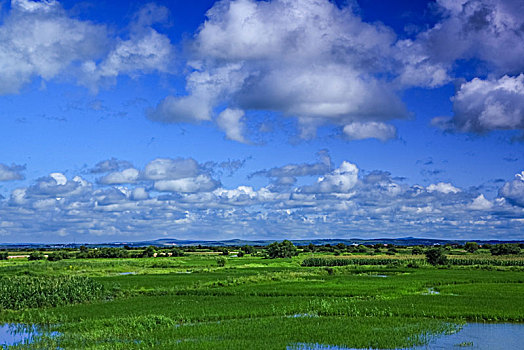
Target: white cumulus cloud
(360,131)
(230,121)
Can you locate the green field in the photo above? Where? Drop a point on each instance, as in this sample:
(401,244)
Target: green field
(191,302)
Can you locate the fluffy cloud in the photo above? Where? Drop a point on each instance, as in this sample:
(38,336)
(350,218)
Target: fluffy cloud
(340,180)
(310,60)
(485,105)
(481,203)
(340,202)
(126,176)
(468,30)
(109,165)
(200,183)
(171,169)
(145,51)
(57,185)
(479,29)
(230,121)
(443,187)
(10,173)
(513,191)
(286,175)
(40,39)
(360,131)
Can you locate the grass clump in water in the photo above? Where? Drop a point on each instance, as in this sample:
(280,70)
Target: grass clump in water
(23,292)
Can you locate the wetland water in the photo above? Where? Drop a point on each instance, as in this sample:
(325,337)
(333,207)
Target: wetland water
(11,334)
(483,336)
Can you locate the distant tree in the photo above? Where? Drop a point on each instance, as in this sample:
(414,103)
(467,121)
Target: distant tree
(505,249)
(149,252)
(3,255)
(36,255)
(341,246)
(248,249)
(362,249)
(83,249)
(471,247)
(392,250)
(240,254)
(225,251)
(177,252)
(58,255)
(417,251)
(436,256)
(285,249)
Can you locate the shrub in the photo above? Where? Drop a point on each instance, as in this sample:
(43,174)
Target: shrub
(149,252)
(436,256)
(471,247)
(248,249)
(221,261)
(36,255)
(505,249)
(417,251)
(284,249)
(4,255)
(177,252)
(58,255)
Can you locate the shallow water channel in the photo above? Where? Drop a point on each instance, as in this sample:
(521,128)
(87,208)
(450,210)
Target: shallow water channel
(479,336)
(11,334)
(483,336)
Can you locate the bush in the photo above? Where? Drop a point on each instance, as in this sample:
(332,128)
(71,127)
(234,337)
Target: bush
(4,255)
(221,261)
(417,251)
(284,249)
(248,249)
(435,256)
(36,255)
(177,252)
(505,249)
(471,247)
(58,255)
(240,254)
(149,252)
(108,253)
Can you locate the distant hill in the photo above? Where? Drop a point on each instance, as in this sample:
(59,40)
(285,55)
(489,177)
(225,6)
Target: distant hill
(167,242)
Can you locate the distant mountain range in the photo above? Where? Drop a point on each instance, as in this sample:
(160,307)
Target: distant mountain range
(168,242)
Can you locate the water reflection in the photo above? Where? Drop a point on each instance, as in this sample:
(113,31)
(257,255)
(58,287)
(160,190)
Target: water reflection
(11,334)
(478,336)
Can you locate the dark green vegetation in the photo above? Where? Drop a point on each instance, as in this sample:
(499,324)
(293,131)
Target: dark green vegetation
(203,300)
(21,292)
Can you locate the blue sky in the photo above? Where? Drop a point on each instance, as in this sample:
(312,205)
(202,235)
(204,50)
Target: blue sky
(124,120)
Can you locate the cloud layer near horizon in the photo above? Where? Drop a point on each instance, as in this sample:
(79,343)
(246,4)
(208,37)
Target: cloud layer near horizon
(181,198)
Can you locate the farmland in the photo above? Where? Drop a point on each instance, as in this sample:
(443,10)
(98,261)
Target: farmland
(210,299)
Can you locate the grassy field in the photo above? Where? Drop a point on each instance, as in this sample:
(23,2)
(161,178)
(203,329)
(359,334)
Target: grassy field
(191,302)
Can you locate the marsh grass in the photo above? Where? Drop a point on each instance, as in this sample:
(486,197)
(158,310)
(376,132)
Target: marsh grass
(21,292)
(191,303)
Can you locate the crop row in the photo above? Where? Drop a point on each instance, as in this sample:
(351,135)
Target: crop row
(323,261)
